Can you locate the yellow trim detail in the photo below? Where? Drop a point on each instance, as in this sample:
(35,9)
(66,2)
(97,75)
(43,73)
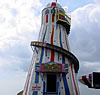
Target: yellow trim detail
(58,19)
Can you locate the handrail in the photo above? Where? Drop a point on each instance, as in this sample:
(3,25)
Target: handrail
(68,54)
(66,18)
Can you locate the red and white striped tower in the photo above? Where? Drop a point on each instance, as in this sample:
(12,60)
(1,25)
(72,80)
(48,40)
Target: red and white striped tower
(54,67)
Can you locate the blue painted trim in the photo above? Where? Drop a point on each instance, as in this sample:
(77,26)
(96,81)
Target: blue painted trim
(58,87)
(64,79)
(90,78)
(41,57)
(37,77)
(65,84)
(42,51)
(44,34)
(60,40)
(64,75)
(64,18)
(63,59)
(43,88)
(35,93)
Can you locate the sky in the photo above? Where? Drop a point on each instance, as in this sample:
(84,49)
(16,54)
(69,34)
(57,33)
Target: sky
(20,22)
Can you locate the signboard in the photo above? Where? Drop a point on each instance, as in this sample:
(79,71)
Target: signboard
(36,87)
(51,67)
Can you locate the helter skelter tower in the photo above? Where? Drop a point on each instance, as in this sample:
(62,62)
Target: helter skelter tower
(54,68)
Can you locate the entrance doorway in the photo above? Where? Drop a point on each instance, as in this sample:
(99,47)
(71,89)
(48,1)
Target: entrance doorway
(51,82)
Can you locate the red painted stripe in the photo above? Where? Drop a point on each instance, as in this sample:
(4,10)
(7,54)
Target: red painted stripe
(74,80)
(52,56)
(59,16)
(90,75)
(46,18)
(53,4)
(52,18)
(71,68)
(29,77)
(52,34)
(27,86)
(83,77)
(52,52)
(63,17)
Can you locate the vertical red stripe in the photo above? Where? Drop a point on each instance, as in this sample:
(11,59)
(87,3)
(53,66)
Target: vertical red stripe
(46,18)
(52,34)
(74,80)
(52,18)
(90,75)
(83,77)
(29,78)
(53,4)
(52,56)
(52,52)
(63,17)
(59,16)
(71,68)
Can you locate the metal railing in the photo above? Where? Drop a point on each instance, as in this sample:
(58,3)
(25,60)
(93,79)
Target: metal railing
(63,17)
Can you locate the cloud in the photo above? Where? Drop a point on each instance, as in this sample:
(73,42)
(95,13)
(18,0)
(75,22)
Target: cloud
(97,1)
(13,84)
(84,41)
(85,34)
(19,25)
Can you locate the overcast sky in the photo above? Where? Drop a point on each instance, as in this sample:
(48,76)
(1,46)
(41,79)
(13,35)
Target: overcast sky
(20,24)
